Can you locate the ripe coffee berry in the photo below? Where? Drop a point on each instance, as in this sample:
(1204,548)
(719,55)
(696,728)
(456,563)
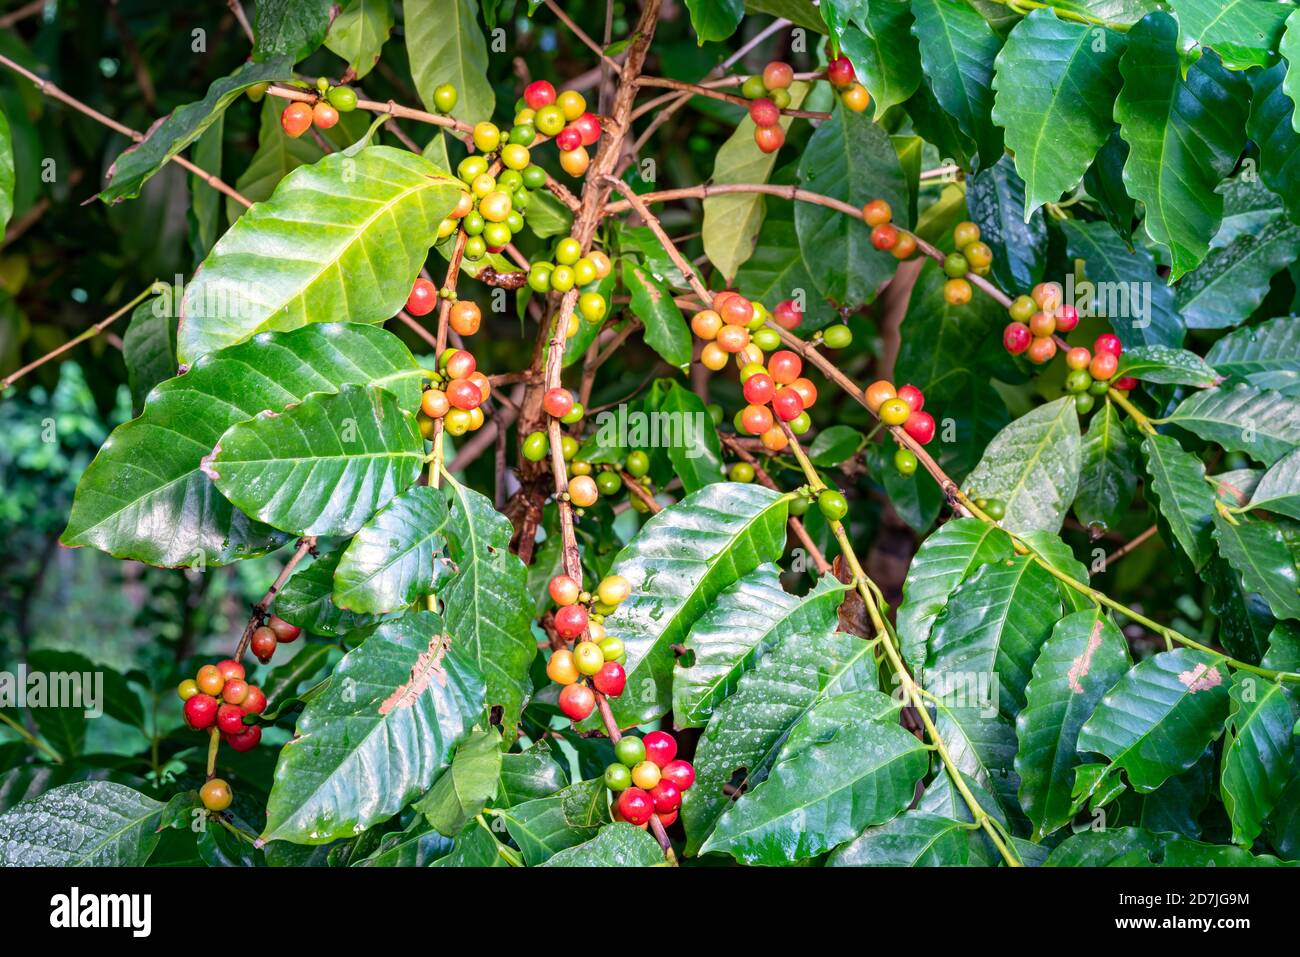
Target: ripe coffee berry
(635,806)
(463,394)
(807,391)
(1107,342)
(610,679)
(1078,358)
(660,747)
(787,404)
(736,311)
(201,711)
(538,94)
(588,127)
(558,402)
(681,773)
(577,701)
(296,119)
(913,397)
(465,317)
(230,718)
(878,393)
(920,426)
(884,236)
(284,632)
(229,669)
(245,740)
(561,668)
(216,795)
(1041,350)
(769,138)
(764,112)
(759,388)
(262,644)
(667,797)
(840,71)
(755,419)
(1042,324)
(1067,317)
(564,590)
(324,115)
(235,691)
(210,680)
(571,621)
(569,138)
(583,491)
(784,366)
(905,246)
(1125,384)
(1016,337)
(787,314)
(877,212)
(255,700)
(1103,365)
(777,75)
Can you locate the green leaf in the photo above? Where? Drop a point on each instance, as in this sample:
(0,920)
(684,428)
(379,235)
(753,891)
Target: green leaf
(291,28)
(341,239)
(1167,366)
(678,564)
(131,170)
(695,454)
(467,786)
(1184,499)
(1259,552)
(445,45)
(1053,550)
(144,496)
(1082,660)
(1184,136)
(6,172)
(996,200)
(847,765)
(547,216)
(1263,424)
(1108,478)
(1245,33)
(715,19)
(877,39)
(546,826)
(307,601)
(284,680)
(1272,126)
(389,562)
(1122,285)
(941,564)
(749,727)
(958,49)
(321,467)
(991,630)
(617,845)
(732,222)
(529,774)
(1104,182)
(376,737)
(1267,355)
(802,13)
(913,839)
(746,621)
(476,846)
(85,824)
(149,349)
(652,303)
(1230,284)
(1138,847)
(1056,81)
(1279,490)
(1257,753)
(851,159)
(1033,467)
(835,445)
(485,603)
(358,33)
(982,745)
(1157,720)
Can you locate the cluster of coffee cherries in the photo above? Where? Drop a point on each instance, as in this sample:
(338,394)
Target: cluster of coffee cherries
(903,407)
(596,662)
(648,778)
(885,236)
(994,508)
(570,269)
(219,696)
(1092,372)
(267,636)
(563,116)
(769,94)
(455,395)
(1035,320)
(299,116)
(775,391)
(844,78)
(492,209)
(464,317)
(972,255)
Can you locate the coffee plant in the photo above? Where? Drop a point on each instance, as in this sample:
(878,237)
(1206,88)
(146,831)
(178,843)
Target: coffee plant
(918,483)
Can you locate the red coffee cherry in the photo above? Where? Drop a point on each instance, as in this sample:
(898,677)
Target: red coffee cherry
(660,747)
(920,426)
(230,718)
(244,740)
(571,621)
(840,71)
(635,806)
(759,388)
(201,711)
(787,314)
(1016,337)
(913,397)
(610,679)
(263,644)
(577,701)
(284,632)
(1108,342)
(423,297)
(764,112)
(538,94)
(681,773)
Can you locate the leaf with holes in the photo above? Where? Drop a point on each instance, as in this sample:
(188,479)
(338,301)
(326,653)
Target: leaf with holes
(1080,662)
(1157,719)
(1033,467)
(386,725)
(390,561)
(748,619)
(145,496)
(1244,33)
(341,239)
(323,466)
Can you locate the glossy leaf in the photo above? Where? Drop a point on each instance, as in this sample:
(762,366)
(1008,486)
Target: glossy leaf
(982,745)
(1244,33)
(341,239)
(996,199)
(545,826)
(1272,126)
(958,49)
(358,33)
(1257,753)
(652,303)
(942,562)
(1156,721)
(307,601)
(1267,355)
(746,621)
(390,561)
(6,171)
(877,39)
(913,839)
(1167,366)
(84,824)
(1263,424)
(991,630)
(485,602)
(1185,501)
(291,28)
(617,845)
(1258,550)
(847,765)
(1108,477)
(851,159)
(149,348)
(528,774)
(1080,662)
(1056,81)
(142,160)
(715,19)
(445,45)
(1279,490)
(377,736)
(1184,136)
(321,467)
(678,564)
(1033,467)
(145,497)
(467,786)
